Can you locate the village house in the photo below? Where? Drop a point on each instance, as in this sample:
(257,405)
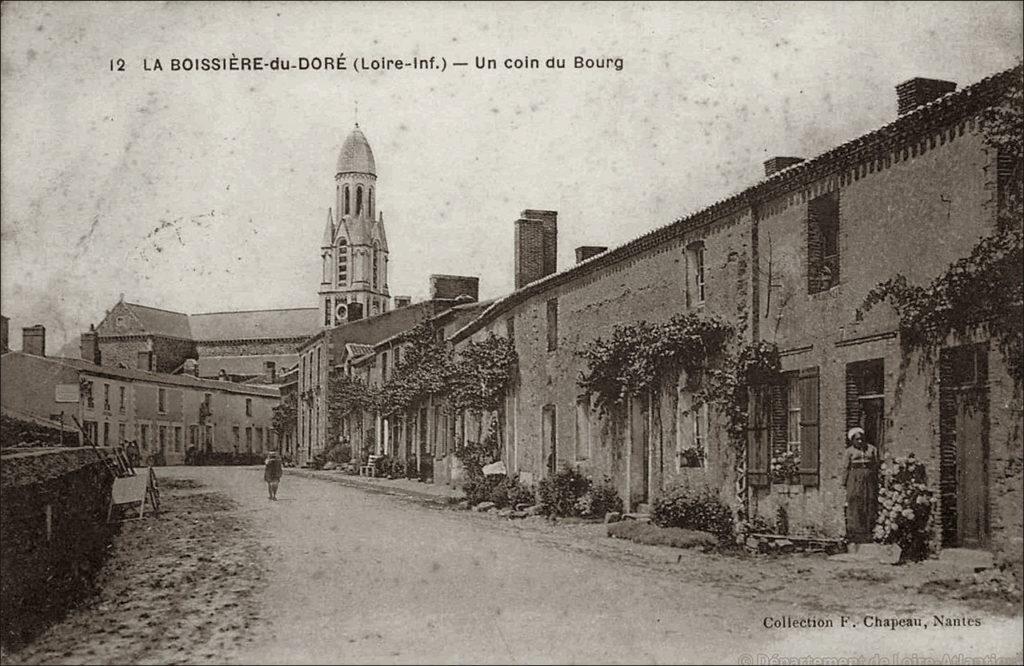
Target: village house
(788,261)
(327,350)
(164,413)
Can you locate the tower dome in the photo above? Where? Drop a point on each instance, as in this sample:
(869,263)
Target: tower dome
(356,156)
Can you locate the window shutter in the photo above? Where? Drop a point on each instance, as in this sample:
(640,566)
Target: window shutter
(758,437)
(853,391)
(779,414)
(815,250)
(809,432)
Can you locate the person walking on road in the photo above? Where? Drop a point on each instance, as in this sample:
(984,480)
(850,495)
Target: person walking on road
(272,473)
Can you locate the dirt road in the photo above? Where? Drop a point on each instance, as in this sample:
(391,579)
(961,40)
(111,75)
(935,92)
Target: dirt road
(356,577)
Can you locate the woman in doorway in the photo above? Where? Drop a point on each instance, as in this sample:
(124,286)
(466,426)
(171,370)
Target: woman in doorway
(272,473)
(860,478)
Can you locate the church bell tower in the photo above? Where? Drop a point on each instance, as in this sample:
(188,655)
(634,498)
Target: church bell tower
(354,250)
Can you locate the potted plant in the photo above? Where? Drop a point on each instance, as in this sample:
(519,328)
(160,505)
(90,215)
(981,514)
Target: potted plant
(785,472)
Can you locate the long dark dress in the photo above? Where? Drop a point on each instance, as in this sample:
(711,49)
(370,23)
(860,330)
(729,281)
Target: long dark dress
(861,493)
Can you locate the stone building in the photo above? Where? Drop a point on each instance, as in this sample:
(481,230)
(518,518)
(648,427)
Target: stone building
(789,261)
(163,413)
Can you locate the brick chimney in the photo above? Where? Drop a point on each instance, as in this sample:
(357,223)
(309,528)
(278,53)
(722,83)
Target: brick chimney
(270,371)
(453,286)
(402,301)
(776,164)
(355,311)
(918,91)
(536,245)
(90,345)
(584,252)
(33,340)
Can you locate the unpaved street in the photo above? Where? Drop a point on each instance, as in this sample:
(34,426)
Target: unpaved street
(361,577)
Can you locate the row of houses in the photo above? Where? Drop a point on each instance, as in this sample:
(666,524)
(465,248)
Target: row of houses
(786,262)
(164,414)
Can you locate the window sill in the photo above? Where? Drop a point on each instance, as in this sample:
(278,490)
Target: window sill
(827,294)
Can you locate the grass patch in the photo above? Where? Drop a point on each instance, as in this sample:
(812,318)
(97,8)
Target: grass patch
(653,535)
(866,575)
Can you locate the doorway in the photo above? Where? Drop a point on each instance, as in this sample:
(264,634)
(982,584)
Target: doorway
(963,446)
(549,439)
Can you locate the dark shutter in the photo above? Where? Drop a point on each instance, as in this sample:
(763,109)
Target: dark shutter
(758,437)
(853,391)
(780,411)
(809,431)
(815,250)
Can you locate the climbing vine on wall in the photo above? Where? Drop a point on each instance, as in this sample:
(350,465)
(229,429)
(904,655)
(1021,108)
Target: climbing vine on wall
(638,357)
(986,288)
(482,374)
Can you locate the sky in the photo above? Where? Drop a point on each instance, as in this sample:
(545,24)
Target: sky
(205,191)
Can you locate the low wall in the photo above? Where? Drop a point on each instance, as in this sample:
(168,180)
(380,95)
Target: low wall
(53,535)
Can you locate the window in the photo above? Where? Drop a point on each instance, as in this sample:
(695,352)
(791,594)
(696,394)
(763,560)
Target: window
(376,266)
(696,282)
(510,329)
(162,438)
(582,427)
(326,277)
(121,395)
(549,439)
(161,400)
(248,440)
(348,200)
(398,356)
(369,201)
(209,438)
(106,397)
(384,366)
(342,262)
(193,436)
(237,435)
(119,322)
(823,243)
(88,395)
(327,312)
(177,439)
(91,431)
(359,200)
(248,406)
(144,436)
(259,440)
(700,433)
(120,433)
(106,434)
(207,400)
(553,324)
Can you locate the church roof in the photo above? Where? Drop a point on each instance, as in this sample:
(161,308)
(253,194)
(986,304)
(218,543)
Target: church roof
(356,156)
(210,366)
(161,322)
(255,324)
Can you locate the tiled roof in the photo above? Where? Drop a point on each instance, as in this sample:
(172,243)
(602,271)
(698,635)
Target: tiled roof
(210,366)
(355,155)
(152,377)
(951,107)
(162,322)
(255,324)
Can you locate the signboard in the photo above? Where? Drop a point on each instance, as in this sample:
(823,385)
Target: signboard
(67,393)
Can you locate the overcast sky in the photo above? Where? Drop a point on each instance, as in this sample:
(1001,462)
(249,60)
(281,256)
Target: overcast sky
(208,191)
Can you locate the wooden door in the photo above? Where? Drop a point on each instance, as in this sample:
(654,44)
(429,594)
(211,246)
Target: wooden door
(639,449)
(972,479)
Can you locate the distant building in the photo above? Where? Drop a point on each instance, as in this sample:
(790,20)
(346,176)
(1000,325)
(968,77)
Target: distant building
(163,413)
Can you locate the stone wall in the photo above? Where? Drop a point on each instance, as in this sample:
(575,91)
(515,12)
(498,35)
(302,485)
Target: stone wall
(54,535)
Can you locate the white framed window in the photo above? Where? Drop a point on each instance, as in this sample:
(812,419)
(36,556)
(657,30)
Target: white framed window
(793,414)
(696,279)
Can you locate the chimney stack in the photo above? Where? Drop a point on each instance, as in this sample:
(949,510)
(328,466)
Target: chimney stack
(90,345)
(536,246)
(777,164)
(33,340)
(402,301)
(270,371)
(222,376)
(584,252)
(191,367)
(453,286)
(918,91)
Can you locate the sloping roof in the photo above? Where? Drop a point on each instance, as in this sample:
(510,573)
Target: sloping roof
(354,349)
(161,322)
(152,377)
(255,324)
(925,119)
(210,366)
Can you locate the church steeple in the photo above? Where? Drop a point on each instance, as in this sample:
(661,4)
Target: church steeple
(357,251)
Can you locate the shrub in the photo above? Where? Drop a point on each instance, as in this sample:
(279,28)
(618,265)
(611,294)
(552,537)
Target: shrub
(599,500)
(904,507)
(661,536)
(695,509)
(558,494)
(502,490)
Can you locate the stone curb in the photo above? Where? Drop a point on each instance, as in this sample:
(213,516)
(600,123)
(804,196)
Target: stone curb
(369,486)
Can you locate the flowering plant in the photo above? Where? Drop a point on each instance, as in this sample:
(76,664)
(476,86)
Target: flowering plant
(904,506)
(785,467)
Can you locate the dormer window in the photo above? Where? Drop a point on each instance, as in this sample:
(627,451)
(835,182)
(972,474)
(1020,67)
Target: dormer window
(823,243)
